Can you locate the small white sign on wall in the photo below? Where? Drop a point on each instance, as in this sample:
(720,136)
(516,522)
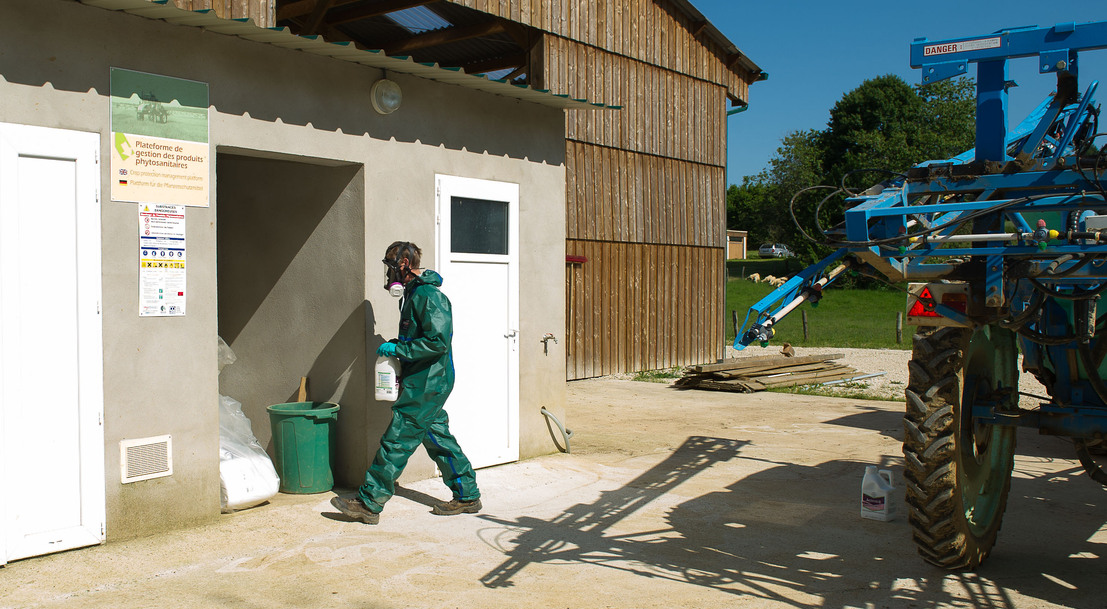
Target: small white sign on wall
(161,243)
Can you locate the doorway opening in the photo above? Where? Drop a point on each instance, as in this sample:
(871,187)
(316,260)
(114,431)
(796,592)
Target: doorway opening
(291,283)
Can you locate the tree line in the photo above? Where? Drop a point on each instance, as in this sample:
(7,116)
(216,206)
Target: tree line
(884,125)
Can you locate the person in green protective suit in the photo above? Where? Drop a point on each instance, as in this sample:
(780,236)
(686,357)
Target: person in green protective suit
(426,379)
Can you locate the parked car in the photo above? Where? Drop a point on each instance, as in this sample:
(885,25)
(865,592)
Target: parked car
(774,250)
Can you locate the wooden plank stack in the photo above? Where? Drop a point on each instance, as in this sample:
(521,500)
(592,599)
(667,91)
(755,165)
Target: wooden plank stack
(750,374)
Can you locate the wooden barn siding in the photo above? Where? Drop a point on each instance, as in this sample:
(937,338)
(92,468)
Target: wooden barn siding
(663,113)
(639,306)
(645,184)
(620,195)
(653,231)
(652,31)
(645,202)
(261,11)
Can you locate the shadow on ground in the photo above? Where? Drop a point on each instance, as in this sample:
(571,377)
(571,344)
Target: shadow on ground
(779,535)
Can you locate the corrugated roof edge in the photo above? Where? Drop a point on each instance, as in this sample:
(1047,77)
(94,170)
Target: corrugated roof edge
(344,51)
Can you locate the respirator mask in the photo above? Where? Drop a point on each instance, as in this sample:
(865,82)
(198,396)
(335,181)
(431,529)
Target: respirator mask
(394,276)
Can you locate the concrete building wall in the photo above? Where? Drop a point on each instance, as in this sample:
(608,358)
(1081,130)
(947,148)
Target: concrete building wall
(297,142)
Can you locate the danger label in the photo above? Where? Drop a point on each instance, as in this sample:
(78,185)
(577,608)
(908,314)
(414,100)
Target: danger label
(947,48)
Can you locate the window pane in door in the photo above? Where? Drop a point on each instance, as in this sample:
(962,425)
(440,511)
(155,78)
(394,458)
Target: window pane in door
(478,226)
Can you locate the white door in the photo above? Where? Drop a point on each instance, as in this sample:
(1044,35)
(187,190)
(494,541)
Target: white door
(51,361)
(478,257)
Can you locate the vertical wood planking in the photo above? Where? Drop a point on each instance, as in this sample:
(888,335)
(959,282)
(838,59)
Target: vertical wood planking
(645,30)
(619,309)
(262,12)
(575,198)
(697,320)
(581,340)
(645,184)
(638,302)
(571,331)
(664,310)
(625,196)
(594,304)
(652,322)
(678,300)
(606,323)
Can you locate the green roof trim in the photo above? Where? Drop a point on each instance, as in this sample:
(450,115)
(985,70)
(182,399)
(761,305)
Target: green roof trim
(344,51)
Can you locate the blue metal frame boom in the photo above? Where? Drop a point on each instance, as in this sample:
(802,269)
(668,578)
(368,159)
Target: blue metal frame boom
(981,204)
(1021,219)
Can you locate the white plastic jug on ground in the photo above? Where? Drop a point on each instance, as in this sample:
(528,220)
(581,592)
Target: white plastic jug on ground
(388,379)
(877,495)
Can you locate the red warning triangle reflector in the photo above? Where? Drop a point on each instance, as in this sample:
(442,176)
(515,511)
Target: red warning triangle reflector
(918,310)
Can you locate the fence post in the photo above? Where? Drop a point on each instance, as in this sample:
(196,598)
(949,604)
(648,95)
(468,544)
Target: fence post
(899,327)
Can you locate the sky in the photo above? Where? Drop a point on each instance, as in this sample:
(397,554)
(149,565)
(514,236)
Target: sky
(815,51)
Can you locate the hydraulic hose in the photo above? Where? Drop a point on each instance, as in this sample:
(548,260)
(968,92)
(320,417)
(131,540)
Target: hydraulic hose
(1090,466)
(1091,369)
(1033,309)
(1045,339)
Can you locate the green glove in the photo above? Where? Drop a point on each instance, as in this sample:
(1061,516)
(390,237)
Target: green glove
(387,350)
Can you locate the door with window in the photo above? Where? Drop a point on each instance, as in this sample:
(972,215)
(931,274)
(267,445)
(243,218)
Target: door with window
(478,257)
(51,360)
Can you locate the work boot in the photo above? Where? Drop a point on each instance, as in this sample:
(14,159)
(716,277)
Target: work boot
(355,509)
(457,506)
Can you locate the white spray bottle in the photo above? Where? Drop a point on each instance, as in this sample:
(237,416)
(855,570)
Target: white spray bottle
(877,495)
(388,379)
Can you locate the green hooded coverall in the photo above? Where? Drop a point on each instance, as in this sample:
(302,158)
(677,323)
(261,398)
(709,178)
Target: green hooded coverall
(418,416)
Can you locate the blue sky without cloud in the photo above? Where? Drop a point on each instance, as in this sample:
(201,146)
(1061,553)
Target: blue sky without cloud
(817,50)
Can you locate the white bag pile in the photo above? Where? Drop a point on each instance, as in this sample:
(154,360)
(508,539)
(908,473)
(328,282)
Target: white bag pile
(246,474)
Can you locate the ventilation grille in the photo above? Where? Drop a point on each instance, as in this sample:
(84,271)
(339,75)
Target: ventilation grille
(146,458)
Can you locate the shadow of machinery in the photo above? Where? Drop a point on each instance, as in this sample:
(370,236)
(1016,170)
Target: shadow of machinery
(791,534)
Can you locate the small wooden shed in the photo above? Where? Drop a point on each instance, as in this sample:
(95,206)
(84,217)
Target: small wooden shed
(737,244)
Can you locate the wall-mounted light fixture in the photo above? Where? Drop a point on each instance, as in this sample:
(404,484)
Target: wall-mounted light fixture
(386,96)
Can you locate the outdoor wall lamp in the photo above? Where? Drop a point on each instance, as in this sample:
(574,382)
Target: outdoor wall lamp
(386,96)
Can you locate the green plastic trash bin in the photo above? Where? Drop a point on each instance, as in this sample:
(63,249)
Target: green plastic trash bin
(303,436)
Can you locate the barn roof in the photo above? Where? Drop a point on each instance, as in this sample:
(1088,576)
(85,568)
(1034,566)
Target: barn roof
(341,50)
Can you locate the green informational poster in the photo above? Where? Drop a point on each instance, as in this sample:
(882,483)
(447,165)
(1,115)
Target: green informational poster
(160,151)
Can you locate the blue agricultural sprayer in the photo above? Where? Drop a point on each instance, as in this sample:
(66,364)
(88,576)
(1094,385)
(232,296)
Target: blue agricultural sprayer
(1004,247)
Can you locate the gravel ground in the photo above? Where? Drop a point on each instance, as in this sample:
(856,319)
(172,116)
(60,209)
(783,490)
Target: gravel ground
(889,364)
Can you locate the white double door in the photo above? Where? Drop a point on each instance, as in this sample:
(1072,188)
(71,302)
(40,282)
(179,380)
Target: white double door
(51,360)
(478,258)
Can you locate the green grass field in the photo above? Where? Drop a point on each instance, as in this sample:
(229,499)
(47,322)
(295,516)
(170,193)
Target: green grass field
(844,318)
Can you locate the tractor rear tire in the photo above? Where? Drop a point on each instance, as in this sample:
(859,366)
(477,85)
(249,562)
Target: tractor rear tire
(958,471)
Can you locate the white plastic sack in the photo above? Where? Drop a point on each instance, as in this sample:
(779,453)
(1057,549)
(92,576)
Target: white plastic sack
(226,356)
(246,474)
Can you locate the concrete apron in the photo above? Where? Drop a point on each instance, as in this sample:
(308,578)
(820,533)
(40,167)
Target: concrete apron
(669,499)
